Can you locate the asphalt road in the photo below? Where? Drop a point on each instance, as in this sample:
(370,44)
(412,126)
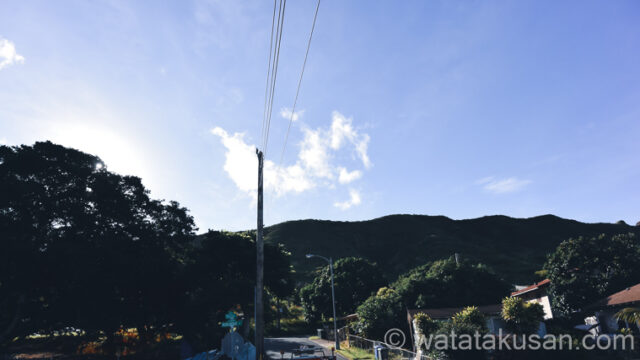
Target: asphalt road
(273,346)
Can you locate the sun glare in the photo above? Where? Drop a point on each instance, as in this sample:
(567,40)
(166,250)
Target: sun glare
(116,150)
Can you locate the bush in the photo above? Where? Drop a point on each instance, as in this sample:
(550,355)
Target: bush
(425,324)
(521,317)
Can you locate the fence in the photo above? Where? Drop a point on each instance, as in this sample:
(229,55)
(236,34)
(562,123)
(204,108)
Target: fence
(394,353)
(342,334)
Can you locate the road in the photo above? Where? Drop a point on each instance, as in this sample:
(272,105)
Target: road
(273,346)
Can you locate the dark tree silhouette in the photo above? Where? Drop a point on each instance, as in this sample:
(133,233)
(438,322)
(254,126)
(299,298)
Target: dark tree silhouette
(221,276)
(355,280)
(81,246)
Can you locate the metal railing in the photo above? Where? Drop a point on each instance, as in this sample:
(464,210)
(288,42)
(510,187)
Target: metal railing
(393,353)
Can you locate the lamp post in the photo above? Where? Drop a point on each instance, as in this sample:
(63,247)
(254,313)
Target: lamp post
(333,297)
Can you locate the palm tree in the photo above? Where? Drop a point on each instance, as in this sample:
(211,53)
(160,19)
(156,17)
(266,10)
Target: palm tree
(630,315)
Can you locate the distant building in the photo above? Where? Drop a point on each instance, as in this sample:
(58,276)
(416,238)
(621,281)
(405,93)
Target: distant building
(537,293)
(603,321)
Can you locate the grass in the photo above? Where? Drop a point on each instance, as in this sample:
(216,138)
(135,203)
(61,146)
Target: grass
(354,353)
(314,337)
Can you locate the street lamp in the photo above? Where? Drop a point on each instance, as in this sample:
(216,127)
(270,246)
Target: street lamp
(333,297)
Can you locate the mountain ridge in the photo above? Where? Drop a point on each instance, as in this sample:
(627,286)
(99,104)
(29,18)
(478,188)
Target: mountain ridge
(513,247)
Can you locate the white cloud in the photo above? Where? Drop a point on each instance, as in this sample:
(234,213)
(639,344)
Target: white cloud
(502,186)
(241,161)
(314,154)
(285,113)
(8,54)
(354,199)
(342,131)
(346,176)
(315,164)
(3,141)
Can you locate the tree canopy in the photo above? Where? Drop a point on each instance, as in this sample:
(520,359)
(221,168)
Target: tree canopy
(446,283)
(84,247)
(585,269)
(355,280)
(442,283)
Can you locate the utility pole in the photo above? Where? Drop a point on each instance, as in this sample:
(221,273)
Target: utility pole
(333,297)
(259,267)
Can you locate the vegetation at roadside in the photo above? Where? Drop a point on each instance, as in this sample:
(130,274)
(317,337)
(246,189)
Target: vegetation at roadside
(355,280)
(355,353)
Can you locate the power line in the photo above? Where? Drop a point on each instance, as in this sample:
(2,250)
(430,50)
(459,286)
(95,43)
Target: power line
(274,71)
(266,87)
(304,64)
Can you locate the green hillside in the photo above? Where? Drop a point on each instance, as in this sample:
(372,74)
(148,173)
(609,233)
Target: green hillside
(513,247)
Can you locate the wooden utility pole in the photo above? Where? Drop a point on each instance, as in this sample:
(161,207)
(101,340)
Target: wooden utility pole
(259,267)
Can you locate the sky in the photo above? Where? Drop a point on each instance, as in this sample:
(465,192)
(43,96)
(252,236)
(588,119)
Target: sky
(455,108)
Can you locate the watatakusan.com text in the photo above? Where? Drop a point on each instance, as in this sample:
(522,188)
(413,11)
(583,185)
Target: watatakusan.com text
(508,341)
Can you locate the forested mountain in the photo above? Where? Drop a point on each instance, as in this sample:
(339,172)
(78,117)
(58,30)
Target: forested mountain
(515,248)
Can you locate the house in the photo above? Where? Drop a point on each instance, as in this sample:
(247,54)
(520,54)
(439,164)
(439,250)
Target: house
(604,310)
(537,293)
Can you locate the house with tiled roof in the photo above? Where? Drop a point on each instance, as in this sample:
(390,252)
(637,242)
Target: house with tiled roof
(604,310)
(538,293)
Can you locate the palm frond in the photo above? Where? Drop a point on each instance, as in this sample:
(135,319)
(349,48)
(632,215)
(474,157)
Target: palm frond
(630,315)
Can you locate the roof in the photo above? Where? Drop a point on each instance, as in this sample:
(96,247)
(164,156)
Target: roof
(447,313)
(626,296)
(349,317)
(533,287)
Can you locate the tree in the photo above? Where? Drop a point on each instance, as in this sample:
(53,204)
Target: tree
(425,325)
(442,283)
(221,277)
(469,321)
(355,280)
(521,317)
(447,283)
(379,313)
(583,270)
(82,246)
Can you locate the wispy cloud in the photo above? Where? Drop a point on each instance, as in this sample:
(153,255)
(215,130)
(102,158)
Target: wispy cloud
(354,199)
(345,176)
(8,54)
(286,114)
(315,165)
(503,186)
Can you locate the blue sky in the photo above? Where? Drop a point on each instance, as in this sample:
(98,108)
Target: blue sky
(456,108)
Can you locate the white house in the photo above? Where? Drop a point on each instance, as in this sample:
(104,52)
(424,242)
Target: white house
(537,293)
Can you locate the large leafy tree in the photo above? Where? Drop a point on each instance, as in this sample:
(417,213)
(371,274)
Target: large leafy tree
(355,280)
(82,246)
(442,283)
(447,283)
(221,276)
(380,313)
(585,269)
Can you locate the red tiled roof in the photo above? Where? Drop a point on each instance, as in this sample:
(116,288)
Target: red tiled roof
(447,313)
(542,283)
(626,296)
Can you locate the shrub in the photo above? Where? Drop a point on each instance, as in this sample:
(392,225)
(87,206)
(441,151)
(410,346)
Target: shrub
(521,317)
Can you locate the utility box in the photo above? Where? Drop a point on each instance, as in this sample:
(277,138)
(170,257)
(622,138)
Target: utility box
(322,334)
